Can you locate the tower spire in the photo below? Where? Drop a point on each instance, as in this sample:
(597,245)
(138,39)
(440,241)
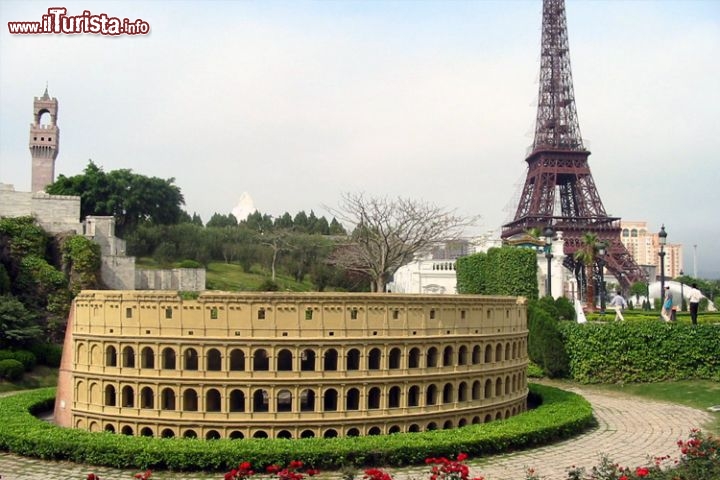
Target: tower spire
(558,163)
(557,124)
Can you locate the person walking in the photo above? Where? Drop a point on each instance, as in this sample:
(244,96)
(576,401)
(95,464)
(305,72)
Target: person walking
(694,297)
(620,304)
(667,305)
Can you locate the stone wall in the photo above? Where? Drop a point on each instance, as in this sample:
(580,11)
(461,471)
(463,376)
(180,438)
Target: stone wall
(183,279)
(55,213)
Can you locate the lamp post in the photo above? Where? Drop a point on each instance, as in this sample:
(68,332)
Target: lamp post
(682,293)
(602,250)
(662,238)
(548,233)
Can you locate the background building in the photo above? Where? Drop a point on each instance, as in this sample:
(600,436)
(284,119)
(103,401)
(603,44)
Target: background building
(644,246)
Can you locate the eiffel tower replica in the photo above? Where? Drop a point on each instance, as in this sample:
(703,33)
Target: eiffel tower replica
(558,163)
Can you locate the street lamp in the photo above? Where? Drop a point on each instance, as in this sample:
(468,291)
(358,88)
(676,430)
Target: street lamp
(602,250)
(662,238)
(649,277)
(548,233)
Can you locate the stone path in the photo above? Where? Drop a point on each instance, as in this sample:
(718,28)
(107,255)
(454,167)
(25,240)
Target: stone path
(630,431)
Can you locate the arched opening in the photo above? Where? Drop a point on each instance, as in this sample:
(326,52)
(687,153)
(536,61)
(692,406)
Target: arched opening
(237,401)
(498,387)
(261,362)
(448,391)
(128,396)
(110,399)
(110,356)
(413,398)
(189,434)
(284,401)
(307,400)
(352,401)
(394,429)
(212,435)
(462,355)
(476,355)
(284,434)
(307,360)
(431,426)
(147,398)
(110,428)
(146,432)
(448,355)
(190,400)
(307,434)
(147,358)
(331,361)
(128,357)
(167,433)
(374,431)
(353,432)
(488,354)
(191,359)
(373,399)
(212,400)
(260,400)
(414,428)
(498,352)
(237,360)
(462,392)
(488,388)
(260,434)
(353,359)
(374,359)
(414,358)
(284,360)
(126,430)
(447,425)
(236,435)
(394,359)
(330,400)
(330,433)
(214,360)
(168,359)
(431,395)
(431,359)
(167,399)
(394,397)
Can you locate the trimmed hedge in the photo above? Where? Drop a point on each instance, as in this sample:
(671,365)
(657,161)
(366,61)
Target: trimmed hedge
(561,415)
(11,369)
(641,351)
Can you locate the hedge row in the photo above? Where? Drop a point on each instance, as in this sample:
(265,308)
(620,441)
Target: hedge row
(561,415)
(641,351)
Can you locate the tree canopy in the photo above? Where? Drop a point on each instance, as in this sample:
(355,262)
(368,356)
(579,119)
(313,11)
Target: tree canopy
(389,232)
(131,198)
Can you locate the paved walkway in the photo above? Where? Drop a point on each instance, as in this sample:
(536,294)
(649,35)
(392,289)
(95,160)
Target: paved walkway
(630,431)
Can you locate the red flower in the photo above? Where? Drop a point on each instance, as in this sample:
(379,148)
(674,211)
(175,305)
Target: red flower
(273,469)
(624,477)
(295,464)
(462,457)
(92,476)
(642,472)
(245,466)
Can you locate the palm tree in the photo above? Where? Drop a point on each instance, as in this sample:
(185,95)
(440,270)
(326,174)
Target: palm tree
(587,255)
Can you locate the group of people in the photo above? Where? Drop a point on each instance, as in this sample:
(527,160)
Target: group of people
(619,304)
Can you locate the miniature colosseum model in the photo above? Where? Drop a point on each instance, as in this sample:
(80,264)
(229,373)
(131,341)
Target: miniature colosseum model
(290,365)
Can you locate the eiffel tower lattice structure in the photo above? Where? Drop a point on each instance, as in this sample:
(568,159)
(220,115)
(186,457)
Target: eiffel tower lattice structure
(558,170)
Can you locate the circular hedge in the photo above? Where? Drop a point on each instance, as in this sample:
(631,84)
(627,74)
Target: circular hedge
(560,415)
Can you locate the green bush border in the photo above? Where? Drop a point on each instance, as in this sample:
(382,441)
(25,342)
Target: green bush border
(561,415)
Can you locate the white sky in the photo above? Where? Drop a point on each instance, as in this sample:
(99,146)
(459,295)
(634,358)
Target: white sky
(297,102)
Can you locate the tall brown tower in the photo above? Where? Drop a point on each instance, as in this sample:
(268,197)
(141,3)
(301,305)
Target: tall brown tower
(558,170)
(44,139)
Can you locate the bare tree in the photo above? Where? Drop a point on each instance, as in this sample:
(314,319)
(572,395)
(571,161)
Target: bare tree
(388,233)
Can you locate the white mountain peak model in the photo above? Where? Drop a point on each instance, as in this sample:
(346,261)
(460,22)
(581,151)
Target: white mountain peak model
(244,207)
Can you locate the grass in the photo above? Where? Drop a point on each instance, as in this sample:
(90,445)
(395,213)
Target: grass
(40,377)
(699,394)
(230,277)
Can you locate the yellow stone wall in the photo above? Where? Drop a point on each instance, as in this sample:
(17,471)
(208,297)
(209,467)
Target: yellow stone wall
(238,365)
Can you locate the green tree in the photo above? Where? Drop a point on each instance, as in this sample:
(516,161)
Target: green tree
(638,289)
(587,254)
(220,221)
(129,197)
(17,323)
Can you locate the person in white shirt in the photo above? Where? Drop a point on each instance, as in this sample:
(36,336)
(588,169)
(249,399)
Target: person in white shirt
(694,297)
(619,303)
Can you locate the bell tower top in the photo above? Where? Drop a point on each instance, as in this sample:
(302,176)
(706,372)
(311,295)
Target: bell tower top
(44,140)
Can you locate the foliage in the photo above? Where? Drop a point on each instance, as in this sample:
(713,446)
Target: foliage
(545,342)
(17,324)
(641,351)
(21,236)
(131,198)
(565,309)
(388,233)
(561,414)
(499,271)
(587,254)
(81,259)
(11,369)
(25,357)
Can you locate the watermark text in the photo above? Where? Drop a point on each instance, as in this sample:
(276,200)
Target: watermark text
(58,22)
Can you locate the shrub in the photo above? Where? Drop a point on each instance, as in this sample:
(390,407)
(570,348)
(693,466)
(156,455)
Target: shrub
(189,264)
(545,342)
(565,309)
(11,369)
(641,351)
(26,358)
(268,286)
(48,354)
(561,415)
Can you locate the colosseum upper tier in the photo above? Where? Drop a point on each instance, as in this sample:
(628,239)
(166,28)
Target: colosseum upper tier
(290,365)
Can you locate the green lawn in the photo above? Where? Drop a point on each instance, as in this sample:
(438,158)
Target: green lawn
(231,277)
(41,376)
(699,394)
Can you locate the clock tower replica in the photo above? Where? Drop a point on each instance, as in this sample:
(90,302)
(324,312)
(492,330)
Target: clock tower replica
(44,139)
